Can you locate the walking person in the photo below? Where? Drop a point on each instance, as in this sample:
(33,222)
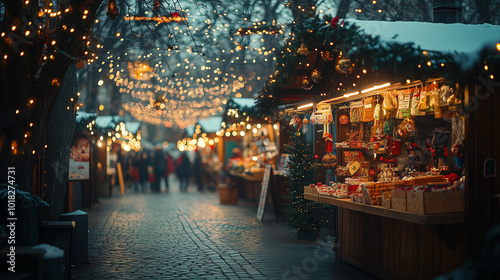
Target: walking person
(170,168)
(144,163)
(159,168)
(183,170)
(198,170)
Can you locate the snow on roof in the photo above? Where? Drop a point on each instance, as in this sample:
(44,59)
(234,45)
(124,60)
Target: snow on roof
(84,115)
(244,102)
(441,37)
(107,121)
(211,124)
(133,126)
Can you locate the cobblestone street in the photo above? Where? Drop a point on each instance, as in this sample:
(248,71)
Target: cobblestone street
(190,235)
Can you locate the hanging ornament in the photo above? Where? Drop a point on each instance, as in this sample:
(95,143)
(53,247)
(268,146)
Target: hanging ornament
(335,21)
(305,121)
(329,161)
(316,76)
(344,65)
(80,63)
(306,83)
(327,56)
(303,50)
(112,10)
(344,119)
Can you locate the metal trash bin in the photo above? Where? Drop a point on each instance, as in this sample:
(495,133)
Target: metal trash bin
(80,242)
(52,262)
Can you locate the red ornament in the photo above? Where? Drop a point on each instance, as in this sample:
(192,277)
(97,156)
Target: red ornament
(335,22)
(344,119)
(80,64)
(316,156)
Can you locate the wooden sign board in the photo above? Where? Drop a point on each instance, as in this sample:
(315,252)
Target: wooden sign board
(263,191)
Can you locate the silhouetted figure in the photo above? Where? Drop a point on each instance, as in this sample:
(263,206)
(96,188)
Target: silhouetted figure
(183,170)
(159,168)
(198,170)
(170,168)
(143,169)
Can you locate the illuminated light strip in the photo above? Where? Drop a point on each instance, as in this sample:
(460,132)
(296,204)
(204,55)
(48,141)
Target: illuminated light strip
(350,94)
(305,106)
(161,19)
(376,87)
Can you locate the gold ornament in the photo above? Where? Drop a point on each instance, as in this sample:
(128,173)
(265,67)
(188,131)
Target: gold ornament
(305,121)
(327,56)
(306,83)
(303,50)
(344,65)
(329,161)
(316,76)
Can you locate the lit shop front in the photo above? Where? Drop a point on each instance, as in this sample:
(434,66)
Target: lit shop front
(408,138)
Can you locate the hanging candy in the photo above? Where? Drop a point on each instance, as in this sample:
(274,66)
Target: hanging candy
(344,65)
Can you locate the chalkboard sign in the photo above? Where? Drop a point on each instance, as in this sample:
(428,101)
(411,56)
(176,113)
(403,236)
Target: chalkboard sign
(263,191)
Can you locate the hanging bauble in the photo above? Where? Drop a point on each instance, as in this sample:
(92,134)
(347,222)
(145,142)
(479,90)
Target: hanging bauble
(306,83)
(329,161)
(305,121)
(303,50)
(344,119)
(80,63)
(112,10)
(316,76)
(327,56)
(344,65)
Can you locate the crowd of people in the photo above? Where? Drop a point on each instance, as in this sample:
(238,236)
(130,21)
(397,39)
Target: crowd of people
(146,169)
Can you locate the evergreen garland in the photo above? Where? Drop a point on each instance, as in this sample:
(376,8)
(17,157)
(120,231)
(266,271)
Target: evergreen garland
(304,215)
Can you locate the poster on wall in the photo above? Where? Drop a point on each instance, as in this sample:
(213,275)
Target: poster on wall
(79,161)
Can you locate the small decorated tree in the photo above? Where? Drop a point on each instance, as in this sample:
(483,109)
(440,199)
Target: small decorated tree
(306,216)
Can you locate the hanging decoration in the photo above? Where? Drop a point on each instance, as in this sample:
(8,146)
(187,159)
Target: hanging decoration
(159,103)
(344,119)
(306,83)
(316,76)
(303,50)
(305,121)
(112,10)
(261,29)
(327,56)
(80,63)
(344,65)
(172,17)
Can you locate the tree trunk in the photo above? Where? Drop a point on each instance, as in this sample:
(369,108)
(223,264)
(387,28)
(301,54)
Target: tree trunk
(59,137)
(343,8)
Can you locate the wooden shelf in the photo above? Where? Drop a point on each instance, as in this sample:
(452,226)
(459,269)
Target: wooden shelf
(432,219)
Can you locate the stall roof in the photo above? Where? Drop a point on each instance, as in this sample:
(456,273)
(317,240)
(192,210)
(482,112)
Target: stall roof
(84,115)
(133,126)
(244,102)
(208,125)
(107,121)
(441,37)
(211,125)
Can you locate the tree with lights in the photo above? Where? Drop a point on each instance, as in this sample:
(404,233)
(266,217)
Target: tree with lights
(39,42)
(306,216)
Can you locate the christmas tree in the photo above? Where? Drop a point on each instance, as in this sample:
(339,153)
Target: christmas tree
(304,215)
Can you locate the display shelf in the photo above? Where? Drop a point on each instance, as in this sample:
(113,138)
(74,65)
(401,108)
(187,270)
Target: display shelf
(430,219)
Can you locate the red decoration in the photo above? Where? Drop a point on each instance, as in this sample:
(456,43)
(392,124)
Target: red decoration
(335,21)
(80,64)
(344,119)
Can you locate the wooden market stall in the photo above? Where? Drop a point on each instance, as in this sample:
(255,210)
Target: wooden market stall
(397,216)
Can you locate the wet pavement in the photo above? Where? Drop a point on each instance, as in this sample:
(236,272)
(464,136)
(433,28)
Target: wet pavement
(190,235)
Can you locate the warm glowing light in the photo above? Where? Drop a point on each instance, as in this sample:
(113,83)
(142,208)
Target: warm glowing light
(486,67)
(305,106)
(376,87)
(408,81)
(498,47)
(101,107)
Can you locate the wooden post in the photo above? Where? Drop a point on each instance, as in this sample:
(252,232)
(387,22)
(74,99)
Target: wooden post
(70,196)
(120,177)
